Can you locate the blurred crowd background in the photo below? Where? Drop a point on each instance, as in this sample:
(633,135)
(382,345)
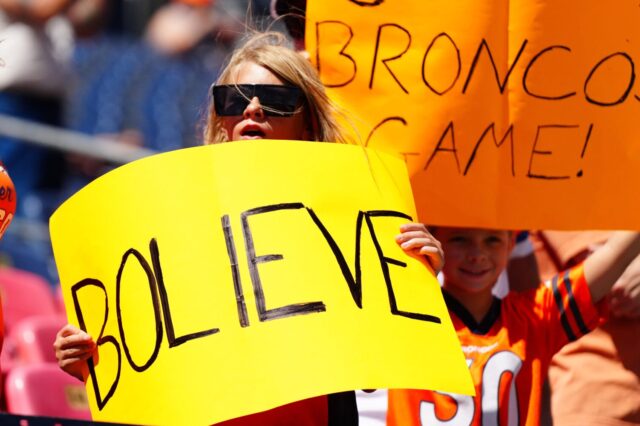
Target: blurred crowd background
(88,85)
(121,72)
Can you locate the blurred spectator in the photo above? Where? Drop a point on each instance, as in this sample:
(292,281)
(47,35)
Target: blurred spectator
(596,379)
(142,80)
(152,90)
(37,41)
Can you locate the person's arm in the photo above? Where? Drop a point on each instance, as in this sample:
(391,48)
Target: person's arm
(418,242)
(625,294)
(522,269)
(73,348)
(607,264)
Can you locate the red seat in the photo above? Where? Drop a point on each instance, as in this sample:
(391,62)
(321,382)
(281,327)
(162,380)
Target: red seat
(33,338)
(58,299)
(24,294)
(7,357)
(45,390)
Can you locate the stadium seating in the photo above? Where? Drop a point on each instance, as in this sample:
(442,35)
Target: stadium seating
(45,390)
(23,294)
(33,337)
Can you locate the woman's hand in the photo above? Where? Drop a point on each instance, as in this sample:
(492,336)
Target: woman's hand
(73,348)
(418,242)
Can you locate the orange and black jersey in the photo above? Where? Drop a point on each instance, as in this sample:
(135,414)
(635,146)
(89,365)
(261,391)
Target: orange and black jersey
(508,354)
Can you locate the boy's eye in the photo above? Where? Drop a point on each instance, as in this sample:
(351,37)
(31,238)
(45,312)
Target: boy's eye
(458,239)
(493,240)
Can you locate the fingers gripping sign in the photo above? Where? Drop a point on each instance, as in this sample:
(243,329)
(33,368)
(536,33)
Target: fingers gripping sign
(73,348)
(418,242)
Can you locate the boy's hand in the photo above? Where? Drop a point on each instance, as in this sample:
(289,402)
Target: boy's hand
(417,242)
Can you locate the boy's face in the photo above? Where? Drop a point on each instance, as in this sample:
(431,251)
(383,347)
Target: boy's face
(474,258)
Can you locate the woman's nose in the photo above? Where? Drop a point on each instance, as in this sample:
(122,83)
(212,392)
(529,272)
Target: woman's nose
(253,110)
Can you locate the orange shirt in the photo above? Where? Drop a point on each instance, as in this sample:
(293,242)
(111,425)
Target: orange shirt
(508,354)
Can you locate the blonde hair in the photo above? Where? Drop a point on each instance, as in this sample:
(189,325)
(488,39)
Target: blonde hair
(270,50)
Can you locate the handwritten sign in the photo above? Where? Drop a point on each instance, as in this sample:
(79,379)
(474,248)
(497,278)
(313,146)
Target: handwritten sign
(7,200)
(224,280)
(509,114)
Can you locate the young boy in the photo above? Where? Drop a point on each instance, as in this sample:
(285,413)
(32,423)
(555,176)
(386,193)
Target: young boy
(508,343)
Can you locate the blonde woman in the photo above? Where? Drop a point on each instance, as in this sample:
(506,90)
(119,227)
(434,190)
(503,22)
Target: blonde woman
(268,91)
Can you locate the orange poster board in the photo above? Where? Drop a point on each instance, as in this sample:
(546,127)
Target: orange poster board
(509,114)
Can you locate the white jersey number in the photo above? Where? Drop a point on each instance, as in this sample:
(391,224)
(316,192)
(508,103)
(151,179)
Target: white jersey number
(497,365)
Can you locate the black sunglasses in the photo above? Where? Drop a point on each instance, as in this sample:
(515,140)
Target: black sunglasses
(276,100)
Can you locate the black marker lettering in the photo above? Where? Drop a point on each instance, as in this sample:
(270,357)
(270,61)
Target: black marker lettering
(166,308)
(285,311)
(501,84)
(384,121)
(353,280)
(363,3)
(525,77)
(341,53)
(424,62)
(632,78)
(439,148)
(102,339)
(535,151)
(235,271)
(491,128)
(386,261)
(156,309)
(584,147)
(389,59)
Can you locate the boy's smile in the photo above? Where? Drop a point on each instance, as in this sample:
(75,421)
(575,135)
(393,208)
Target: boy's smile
(475,273)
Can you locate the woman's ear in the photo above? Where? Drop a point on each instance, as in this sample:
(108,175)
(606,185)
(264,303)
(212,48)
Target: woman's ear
(225,135)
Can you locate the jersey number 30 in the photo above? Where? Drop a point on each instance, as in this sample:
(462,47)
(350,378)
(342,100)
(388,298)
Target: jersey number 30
(497,365)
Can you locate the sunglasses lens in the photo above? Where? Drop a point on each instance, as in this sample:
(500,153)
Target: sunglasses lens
(228,100)
(276,100)
(279,101)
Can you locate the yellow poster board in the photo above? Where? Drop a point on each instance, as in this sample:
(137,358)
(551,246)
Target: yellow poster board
(510,114)
(224,280)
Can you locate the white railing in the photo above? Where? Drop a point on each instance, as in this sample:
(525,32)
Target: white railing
(70,141)
(67,141)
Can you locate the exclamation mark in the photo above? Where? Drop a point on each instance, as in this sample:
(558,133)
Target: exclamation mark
(584,147)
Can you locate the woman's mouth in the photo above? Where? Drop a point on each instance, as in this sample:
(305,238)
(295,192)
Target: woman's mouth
(252,132)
